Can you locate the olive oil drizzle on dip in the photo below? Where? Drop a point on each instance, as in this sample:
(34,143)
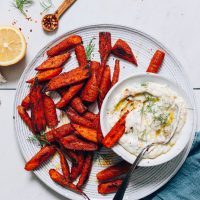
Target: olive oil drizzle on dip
(155,110)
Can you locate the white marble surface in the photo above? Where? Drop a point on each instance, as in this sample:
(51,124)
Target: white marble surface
(175,23)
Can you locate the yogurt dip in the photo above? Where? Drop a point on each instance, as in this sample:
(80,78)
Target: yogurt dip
(155,111)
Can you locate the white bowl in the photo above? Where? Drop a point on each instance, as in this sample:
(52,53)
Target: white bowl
(184,135)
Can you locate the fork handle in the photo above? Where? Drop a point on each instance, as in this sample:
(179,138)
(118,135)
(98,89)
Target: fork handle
(120,193)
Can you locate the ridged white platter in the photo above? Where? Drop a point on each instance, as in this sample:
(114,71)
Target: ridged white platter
(146,179)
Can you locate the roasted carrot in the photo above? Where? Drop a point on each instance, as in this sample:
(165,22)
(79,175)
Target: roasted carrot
(89,115)
(74,143)
(25,117)
(99,132)
(109,187)
(77,104)
(85,132)
(73,155)
(43,155)
(66,44)
(156,62)
(75,118)
(57,133)
(50,112)
(37,108)
(64,165)
(122,50)
(81,55)
(46,75)
(100,74)
(90,90)
(69,94)
(26,102)
(113,171)
(67,78)
(86,170)
(116,72)
(104,46)
(104,86)
(77,166)
(60,179)
(115,133)
(54,62)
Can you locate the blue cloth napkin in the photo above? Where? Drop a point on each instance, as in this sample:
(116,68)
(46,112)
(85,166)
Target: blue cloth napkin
(185,185)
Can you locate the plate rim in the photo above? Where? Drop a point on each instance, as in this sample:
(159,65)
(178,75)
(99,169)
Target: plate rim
(114,26)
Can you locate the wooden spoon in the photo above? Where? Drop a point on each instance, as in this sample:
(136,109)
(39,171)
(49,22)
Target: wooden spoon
(50,21)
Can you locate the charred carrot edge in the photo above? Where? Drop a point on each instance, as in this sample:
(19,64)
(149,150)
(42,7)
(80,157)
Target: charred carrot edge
(37,108)
(75,118)
(89,115)
(90,91)
(113,171)
(60,179)
(116,72)
(57,133)
(66,44)
(25,117)
(156,62)
(115,133)
(46,75)
(68,95)
(77,166)
(109,187)
(85,132)
(50,112)
(43,155)
(104,86)
(122,50)
(68,78)
(104,46)
(86,170)
(72,142)
(54,62)
(26,102)
(77,104)
(81,55)
(64,165)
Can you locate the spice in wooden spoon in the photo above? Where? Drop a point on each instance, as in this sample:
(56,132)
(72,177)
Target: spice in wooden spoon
(50,21)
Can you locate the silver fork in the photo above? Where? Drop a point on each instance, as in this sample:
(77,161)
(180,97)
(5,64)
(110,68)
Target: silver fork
(120,193)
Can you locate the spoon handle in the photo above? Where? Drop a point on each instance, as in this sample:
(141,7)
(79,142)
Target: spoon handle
(120,193)
(63,7)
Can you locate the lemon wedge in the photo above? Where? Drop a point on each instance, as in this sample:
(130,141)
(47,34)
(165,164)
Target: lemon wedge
(12,46)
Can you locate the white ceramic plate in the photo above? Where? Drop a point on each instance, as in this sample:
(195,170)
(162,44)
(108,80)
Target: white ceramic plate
(109,102)
(145,180)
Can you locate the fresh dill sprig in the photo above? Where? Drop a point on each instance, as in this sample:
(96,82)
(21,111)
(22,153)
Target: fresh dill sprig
(21,4)
(40,138)
(46,4)
(89,49)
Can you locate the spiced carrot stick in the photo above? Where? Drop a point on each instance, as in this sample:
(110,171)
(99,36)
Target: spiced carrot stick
(25,117)
(66,44)
(81,55)
(46,75)
(43,155)
(116,72)
(156,62)
(50,112)
(54,62)
(86,170)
